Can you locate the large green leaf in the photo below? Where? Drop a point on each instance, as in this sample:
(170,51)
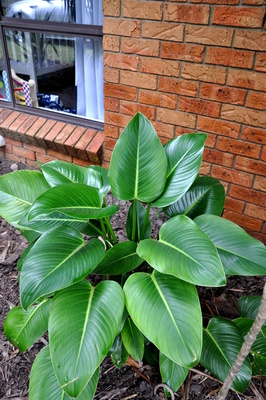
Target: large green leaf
(205,196)
(184,251)
(44,384)
(76,200)
(240,253)
(140,216)
(61,172)
(58,259)
(83,324)
(172,374)
(222,342)
(138,166)
(106,187)
(18,190)
(258,349)
(23,328)
(248,306)
(184,155)
(133,339)
(167,311)
(120,259)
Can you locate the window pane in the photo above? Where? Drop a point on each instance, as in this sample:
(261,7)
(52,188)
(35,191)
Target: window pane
(67,71)
(4,86)
(79,11)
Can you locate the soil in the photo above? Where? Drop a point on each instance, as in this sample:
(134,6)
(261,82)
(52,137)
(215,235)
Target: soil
(131,382)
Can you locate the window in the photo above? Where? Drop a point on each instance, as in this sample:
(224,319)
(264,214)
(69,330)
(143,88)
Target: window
(51,58)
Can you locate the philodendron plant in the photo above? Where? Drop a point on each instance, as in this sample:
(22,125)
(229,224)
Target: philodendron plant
(147,298)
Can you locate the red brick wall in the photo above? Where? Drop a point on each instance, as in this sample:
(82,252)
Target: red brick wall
(195,65)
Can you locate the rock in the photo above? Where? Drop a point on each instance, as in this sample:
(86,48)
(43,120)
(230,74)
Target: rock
(14,167)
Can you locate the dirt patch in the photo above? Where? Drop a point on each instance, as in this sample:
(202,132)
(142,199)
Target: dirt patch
(129,382)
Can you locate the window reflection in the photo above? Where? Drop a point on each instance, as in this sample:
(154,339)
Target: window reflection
(4,85)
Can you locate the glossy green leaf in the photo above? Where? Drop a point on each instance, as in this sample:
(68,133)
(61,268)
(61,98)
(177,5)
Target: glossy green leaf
(206,195)
(258,349)
(141,212)
(83,324)
(222,342)
(74,199)
(106,187)
(44,384)
(18,190)
(23,328)
(23,256)
(118,353)
(172,374)
(138,166)
(184,251)
(59,172)
(58,259)
(184,155)
(248,306)
(133,340)
(240,253)
(120,259)
(167,311)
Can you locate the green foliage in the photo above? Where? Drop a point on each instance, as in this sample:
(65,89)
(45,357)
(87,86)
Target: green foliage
(146,303)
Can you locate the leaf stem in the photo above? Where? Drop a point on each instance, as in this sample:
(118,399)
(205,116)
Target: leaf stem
(134,226)
(110,230)
(145,221)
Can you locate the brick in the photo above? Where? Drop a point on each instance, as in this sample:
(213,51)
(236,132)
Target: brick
(158,99)
(215,1)
(246,79)
(234,205)
(176,118)
(59,156)
(111,43)
(253,135)
(52,134)
(36,149)
(209,35)
(178,86)
(229,57)
(18,121)
(162,31)
(187,13)
(9,120)
(111,8)
(197,106)
(107,157)
(238,147)
(243,220)
(82,163)
(4,114)
(121,61)
(94,149)
(48,125)
(145,47)
(116,119)
(260,183)
(111,75)
(246,17)
(63,136)
(37,125)
(120,91)
(205,169)
(21,152)
(159,67)
(231,176)
(253,2)
(121,27)
(211,140)
(111,104)
(243,115)
(109,143)
(137,79)
(44,158)
(26,126)
(255,211)
(143,9)
(256,100)
(218,157)
(260,63)
(224,128)
(83,142)
(111,131)
(251,40)
(224,94)
(181,51)
(205,73)
(130,108)
(164,130)
(248,195)
(249,165)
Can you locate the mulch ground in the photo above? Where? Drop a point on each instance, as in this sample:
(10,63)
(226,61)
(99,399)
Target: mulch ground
(131,382)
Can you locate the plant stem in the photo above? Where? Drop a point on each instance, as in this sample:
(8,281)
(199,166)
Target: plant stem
(110,230)
(145,221)
(134,226)
(245,349)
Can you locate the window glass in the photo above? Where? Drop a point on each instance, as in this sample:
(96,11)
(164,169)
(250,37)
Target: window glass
(79,11)
(4,85)
(66,72)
